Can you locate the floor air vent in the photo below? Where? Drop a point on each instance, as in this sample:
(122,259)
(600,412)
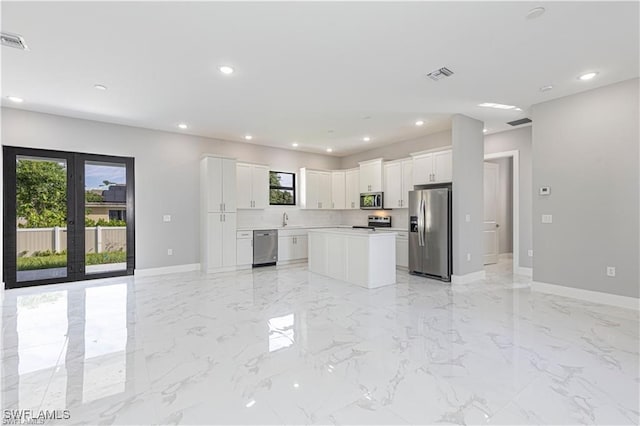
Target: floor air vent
(440,74)
(13,40)
(519,122)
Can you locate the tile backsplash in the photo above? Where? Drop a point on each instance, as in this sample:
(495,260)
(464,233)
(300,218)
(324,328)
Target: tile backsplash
(399,217)
(272,217)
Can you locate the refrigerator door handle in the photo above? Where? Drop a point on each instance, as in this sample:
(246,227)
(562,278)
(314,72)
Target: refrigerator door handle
(421,224)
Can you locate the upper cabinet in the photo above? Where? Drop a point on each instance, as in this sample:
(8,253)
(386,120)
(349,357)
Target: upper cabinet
(315,189)
(352,189)
(371,175)
(338,195)
(432,167)
(218,184)
(252,186)
(398,181)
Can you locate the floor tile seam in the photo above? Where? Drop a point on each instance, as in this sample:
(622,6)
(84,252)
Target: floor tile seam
(55,369)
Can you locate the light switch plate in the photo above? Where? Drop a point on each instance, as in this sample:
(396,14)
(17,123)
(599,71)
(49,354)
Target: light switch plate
(611,271)
(169,252)
(468,257)
(166,218)
(547,218)
(467,218)
(530,253)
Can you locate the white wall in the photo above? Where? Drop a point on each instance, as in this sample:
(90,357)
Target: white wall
(505,204)
(166,173)
(518,140)
(586,148)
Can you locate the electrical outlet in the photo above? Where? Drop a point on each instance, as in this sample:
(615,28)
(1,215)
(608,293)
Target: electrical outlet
(166,218)
(611,271)
(467,218)
(169,252)
(530,253)
(468,257)
(547,218)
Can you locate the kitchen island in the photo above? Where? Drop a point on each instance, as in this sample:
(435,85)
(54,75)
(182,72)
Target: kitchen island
(358,256)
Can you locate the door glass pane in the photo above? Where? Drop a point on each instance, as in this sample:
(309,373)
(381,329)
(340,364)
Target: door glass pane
(105,217)
(41,212)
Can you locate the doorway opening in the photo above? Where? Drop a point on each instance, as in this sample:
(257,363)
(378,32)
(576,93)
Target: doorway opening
(68,216)
(501,212)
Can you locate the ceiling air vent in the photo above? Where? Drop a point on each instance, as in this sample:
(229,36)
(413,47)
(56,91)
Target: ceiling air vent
(519,122)
(13,40)
(440,74)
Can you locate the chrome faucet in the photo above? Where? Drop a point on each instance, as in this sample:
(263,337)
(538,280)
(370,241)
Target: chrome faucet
(285,218)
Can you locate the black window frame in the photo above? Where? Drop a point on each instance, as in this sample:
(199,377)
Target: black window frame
(285,188)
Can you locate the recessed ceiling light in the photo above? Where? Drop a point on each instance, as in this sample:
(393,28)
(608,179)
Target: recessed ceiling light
(15,99)
(497,106)
(100,87)
(518,109)
(587,76)
(419,123)
(329,150)
(182,126)
(248,137)
(484,130)
(295,144)
(226,69)
(250,403)
(536,12)
(546,88)
(366,139)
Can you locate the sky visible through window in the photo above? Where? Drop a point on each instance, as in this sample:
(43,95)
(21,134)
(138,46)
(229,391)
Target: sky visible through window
(96,174)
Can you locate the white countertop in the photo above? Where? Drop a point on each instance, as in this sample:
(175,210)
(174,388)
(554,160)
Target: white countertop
(354,232)
(296,227)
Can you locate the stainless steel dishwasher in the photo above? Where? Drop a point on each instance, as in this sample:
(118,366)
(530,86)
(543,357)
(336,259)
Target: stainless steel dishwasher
(265,247)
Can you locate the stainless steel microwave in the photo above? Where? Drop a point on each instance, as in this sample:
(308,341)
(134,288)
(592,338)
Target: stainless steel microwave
(371,201)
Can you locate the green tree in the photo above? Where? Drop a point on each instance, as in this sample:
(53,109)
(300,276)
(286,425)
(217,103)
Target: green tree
(41,193)
(92,197)
(278,196)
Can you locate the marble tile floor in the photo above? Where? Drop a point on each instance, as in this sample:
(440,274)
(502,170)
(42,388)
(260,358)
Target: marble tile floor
(285,346)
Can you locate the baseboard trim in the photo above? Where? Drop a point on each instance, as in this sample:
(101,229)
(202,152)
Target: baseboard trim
(587,295)
(149,272)
(468,278)
(527,272)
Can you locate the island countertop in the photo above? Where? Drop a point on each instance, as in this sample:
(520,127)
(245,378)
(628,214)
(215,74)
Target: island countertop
(354,232)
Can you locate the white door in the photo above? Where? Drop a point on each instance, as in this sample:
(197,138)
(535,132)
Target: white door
(338,194)
(423,169)
(214,240)
(214,184)
(260,186)
(393,185)
(243,186)
(407,182)
(491,171)
(443,166)
(229,188)
(325,190)
(228,239)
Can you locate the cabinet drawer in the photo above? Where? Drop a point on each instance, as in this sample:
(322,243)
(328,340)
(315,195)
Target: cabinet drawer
(244,234)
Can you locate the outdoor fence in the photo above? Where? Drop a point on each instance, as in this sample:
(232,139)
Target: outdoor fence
(97,239)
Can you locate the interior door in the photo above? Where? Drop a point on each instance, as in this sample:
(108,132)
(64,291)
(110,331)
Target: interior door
(490,234)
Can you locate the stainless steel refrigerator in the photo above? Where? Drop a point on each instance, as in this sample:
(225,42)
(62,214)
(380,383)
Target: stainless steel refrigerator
(430,233)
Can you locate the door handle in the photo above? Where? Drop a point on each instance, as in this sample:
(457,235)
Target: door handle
(497,225)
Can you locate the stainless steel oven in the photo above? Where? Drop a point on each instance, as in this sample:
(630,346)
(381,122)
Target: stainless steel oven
(371,201)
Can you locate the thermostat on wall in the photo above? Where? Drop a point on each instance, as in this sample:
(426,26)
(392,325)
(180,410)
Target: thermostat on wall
(545,190)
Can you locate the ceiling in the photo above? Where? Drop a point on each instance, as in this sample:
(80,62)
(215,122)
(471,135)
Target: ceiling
(319,74)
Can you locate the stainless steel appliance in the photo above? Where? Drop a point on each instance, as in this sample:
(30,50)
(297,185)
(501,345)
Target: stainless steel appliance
(430,233)
(265,247)
(374,222)
(371,201)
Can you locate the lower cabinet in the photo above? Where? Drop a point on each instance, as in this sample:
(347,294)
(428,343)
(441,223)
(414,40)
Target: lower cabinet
(244,248)
(402,249)
(219,248)
(292,247)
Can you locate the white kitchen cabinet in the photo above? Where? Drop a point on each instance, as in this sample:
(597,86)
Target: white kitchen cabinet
(371,173)
(252,186)
(398,181)
(219,247)
(315,189)
(292,247)
(432,167)
(352,189)
(244,248)
(218,184)
(402,250)
(338,190)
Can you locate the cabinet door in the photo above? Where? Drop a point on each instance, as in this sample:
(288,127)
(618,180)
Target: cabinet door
(423,169)
(213,184)
(407,182)
(351,189)
(392,185)
(229,188)
(312,190)
(244,251)
(228,240)
(285,248)
(338,195)
(402,252)
(243,186)
(300,248)
(260,187)
(214,240)
(324,190)
(442,164)
(366,172)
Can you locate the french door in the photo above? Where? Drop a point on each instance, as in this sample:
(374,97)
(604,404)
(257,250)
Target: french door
(67,216)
